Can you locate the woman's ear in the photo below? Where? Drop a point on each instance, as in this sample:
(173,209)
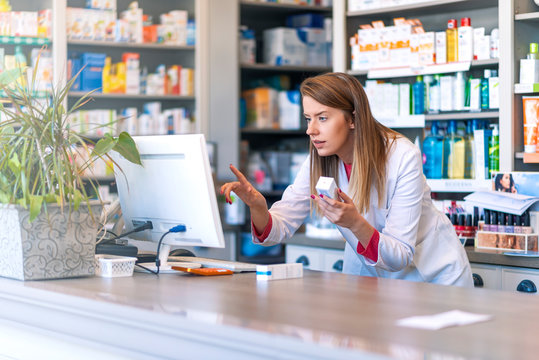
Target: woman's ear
(352,126)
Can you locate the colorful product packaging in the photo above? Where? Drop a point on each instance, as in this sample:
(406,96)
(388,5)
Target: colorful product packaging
(531,118)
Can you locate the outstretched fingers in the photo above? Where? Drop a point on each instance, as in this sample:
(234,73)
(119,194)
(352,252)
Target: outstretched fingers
(241,178)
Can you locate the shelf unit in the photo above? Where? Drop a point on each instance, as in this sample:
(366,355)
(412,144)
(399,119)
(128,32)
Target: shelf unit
(24,40)
(78,94)
(525,24)
(151,55)
(458,185)
(406,71)
(260,16)
(426,7)
(130,45)
(434,16)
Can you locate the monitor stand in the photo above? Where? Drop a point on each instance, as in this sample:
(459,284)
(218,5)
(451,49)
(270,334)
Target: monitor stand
(166,266)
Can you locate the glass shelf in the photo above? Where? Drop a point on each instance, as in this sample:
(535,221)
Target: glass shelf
(75,94)
(285,68)
(24,40)
(425,7)
(458,185)
(407,71)
(130,45)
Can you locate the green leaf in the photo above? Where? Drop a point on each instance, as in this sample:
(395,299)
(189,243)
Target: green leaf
(35,206)
(104,145)
(4,198)
(14,164)
(22,203)
(127,148)
(77,198)
(50,198)
(8,77)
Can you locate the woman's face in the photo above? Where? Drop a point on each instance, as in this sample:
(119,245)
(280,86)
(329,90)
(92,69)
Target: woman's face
(506,181)
(329,130)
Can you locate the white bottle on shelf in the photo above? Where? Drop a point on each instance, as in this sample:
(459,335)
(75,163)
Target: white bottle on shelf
(465,40)
(459,93)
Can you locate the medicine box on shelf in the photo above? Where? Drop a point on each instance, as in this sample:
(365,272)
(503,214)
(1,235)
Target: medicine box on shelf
(506,241)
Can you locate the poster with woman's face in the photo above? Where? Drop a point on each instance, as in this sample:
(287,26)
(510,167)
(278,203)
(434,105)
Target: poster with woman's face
(525,183)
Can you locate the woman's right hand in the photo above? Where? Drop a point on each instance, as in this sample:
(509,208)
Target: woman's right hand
(245,191)
(251,197)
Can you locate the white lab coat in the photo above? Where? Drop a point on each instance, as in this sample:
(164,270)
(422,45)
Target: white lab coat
(417,242)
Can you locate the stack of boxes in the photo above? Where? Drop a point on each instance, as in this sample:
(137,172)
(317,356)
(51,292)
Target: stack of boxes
(98,73)
(406,44)
(99,22)
(305,41)
(26,23)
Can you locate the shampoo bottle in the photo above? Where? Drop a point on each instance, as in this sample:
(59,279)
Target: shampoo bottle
(494,151)
(469,153)
(105,77)
(418,96)
(432,153)
(452,41)
(434,95)
(454,150)
(485,89)
(460,91)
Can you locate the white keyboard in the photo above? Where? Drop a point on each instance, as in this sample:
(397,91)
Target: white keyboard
(215,263)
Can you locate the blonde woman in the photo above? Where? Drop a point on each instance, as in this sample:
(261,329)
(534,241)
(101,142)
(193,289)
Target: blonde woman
(384,209)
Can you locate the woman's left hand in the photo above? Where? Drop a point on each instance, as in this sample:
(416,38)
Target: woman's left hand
(343,213)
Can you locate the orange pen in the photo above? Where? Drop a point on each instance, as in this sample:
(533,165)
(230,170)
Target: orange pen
(205,271)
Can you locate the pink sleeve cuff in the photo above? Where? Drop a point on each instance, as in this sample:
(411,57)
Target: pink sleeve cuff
(267,229)
(371,252)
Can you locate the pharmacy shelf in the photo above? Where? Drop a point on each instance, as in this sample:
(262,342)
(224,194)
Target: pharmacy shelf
(284,132)
(458,185)
(75,94)
(273,8)
(425,8)
(528,158)
(23,40)
(285,68)
(407,71)
(533,16)
(129,45)
(418,121)
(402,122)
(526,88)
(463,115)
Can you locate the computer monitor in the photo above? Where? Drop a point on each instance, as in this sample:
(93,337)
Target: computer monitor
(173,187)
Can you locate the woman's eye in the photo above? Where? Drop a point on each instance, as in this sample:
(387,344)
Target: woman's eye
(322,118)
(308,119)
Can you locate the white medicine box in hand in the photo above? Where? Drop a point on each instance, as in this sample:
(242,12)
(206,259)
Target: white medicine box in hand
(326,186)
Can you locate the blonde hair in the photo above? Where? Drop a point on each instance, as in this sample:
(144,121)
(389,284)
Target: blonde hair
(372,140)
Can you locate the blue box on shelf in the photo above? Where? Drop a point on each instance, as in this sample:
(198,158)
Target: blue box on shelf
(75,65)
(305,20)
(92,71)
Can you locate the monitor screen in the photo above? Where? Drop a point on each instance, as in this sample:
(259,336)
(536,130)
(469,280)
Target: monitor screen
(173,187)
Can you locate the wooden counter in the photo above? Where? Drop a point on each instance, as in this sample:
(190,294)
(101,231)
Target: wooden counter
(320,316)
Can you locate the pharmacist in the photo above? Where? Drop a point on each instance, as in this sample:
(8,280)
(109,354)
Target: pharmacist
(383,206)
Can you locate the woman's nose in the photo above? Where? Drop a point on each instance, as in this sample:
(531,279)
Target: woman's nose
(311,128)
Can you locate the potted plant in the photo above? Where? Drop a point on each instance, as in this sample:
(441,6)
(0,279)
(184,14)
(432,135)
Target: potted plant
(48,220)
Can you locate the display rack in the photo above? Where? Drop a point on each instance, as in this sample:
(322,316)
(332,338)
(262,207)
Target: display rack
(433,15)
(524,24)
